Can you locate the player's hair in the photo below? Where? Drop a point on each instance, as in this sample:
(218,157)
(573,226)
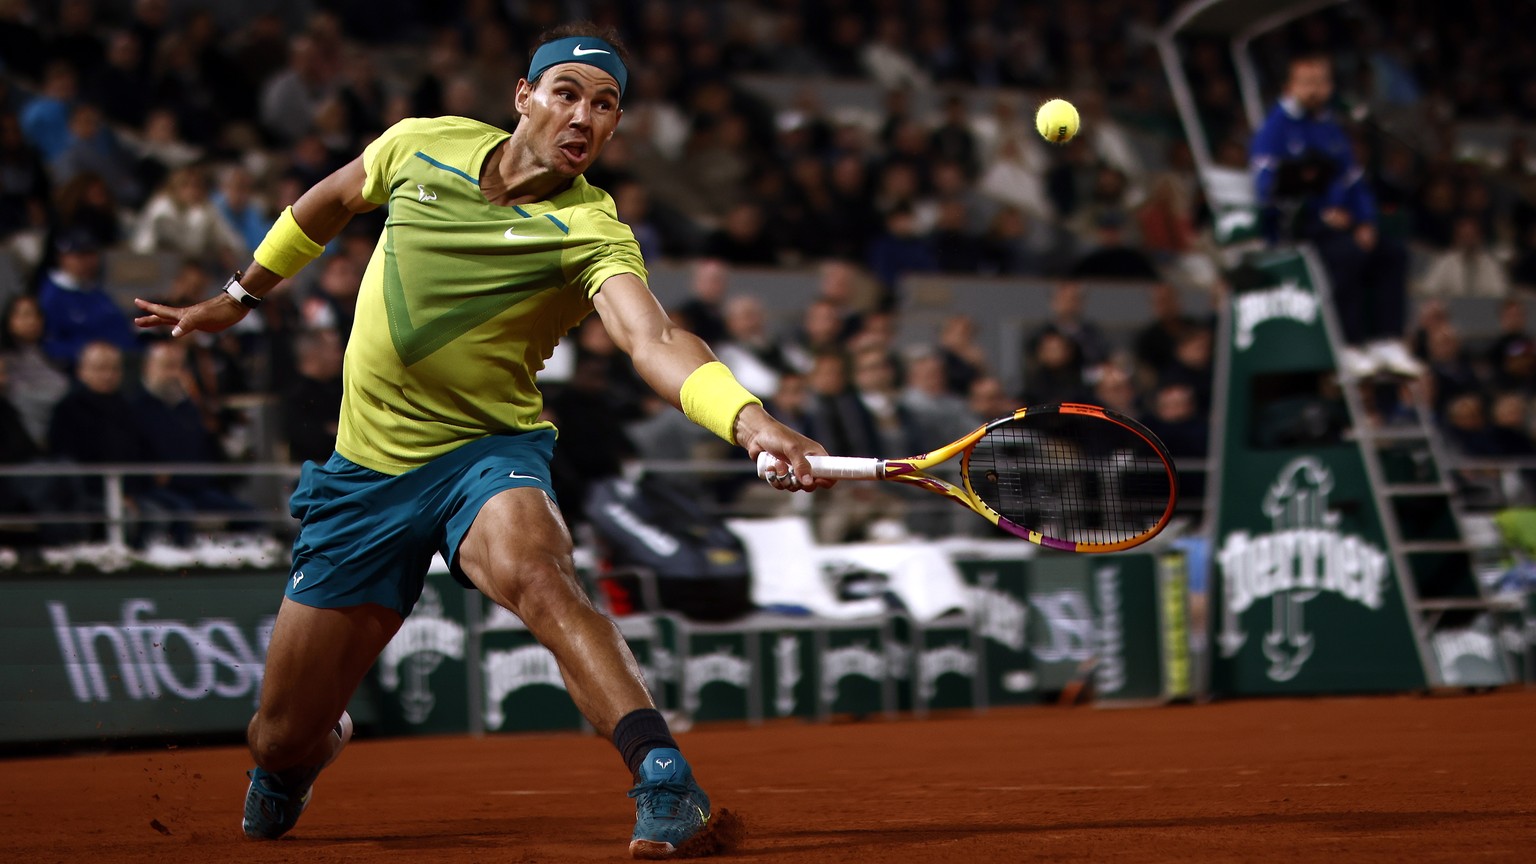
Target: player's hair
(585,28)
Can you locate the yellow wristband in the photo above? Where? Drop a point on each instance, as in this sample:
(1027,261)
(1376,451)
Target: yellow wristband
(712,397)
(286,248)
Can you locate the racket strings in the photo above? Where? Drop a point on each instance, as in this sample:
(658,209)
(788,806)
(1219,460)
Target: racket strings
(1073,477)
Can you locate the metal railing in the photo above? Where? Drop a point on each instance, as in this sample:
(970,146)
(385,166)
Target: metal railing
(115,513)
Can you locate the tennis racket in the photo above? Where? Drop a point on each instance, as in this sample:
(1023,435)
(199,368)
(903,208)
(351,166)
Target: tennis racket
(1079,478)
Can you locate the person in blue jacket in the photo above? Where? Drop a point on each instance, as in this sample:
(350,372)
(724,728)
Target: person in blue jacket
(1311,189)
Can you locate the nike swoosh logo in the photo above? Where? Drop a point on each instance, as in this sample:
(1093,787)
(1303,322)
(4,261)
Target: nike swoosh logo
(513,235)
(582,52)
(516,476)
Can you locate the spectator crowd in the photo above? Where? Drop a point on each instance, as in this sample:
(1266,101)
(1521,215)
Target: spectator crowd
(125,128)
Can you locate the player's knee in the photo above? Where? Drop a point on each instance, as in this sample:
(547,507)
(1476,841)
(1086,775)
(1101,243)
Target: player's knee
(545,593)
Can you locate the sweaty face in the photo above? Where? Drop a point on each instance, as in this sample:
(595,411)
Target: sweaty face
(572,113)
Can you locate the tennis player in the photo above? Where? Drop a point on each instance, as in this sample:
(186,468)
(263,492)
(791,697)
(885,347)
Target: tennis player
(494,247)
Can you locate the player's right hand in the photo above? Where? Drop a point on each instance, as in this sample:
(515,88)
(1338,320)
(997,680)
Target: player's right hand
(209,316)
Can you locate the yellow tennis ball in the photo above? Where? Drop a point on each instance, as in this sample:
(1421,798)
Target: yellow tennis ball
(1057,121)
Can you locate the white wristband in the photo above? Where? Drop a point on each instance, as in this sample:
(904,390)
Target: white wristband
(245,298)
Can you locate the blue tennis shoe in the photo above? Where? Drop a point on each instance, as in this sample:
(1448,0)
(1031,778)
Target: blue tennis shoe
(271,807)
(670,808)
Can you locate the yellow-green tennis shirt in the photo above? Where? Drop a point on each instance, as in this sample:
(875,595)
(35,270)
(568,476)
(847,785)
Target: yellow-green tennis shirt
(464,300)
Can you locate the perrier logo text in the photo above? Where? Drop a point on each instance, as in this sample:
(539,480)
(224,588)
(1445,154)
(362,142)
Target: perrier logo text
(1304,555)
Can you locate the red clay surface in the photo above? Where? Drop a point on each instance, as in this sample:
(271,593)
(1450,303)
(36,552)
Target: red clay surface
(1361,779)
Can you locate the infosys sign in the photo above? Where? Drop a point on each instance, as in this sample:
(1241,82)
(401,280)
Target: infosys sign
(132,656)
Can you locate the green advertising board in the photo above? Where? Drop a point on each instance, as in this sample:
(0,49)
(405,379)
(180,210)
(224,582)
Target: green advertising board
(1306,598)
(100,658)
(522,689)
(422,675)
(1001,611)
(859,667)
(1130,651)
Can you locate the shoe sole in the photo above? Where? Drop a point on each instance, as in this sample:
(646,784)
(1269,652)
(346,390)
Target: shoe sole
(724,833)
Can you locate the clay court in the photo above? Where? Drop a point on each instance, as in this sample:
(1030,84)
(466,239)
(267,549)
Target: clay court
(1362,779)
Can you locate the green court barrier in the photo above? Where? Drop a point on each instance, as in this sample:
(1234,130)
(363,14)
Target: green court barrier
(101,658)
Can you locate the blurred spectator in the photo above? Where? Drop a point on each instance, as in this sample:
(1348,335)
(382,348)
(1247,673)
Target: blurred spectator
(956,249)
(29,495)
(1192,366)
(1052,373)
(989,400)
(1090,346)
(898,251)
(1451,373)
(1523,270)
(1467,269)
(1466,425)
(76,307)
(172,428)
(592,446)
(938,414)
(312,400)
(1435,215)
(820,334)
(1510,430)
(628,397)
(702,312)
(24,187)
(1512,356)
(964,358)
(1155,345)
(332,303)
(1012,178)
(34,384)
(1304,162)
(1108,202)
(1015,245)
(749,349)
(92,147)
(162,149)
(794,405)
(1112,257)
(1176,421)
(741,239)
(841,285)
(290,99)
(237,203)
(1116,390)
(888,60)
(119,86)
(87,204)
(953,140)
(182,220)
(633,206)
(94,423)
(45,119)
(1166,220)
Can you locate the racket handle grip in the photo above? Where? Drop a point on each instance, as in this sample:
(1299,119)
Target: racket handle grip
(830,467)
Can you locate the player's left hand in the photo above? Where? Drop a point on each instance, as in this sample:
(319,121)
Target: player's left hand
(209,316)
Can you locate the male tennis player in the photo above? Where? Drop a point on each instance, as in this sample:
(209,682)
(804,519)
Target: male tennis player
(495,246)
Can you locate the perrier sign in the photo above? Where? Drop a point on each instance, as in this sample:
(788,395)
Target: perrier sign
(1305,598)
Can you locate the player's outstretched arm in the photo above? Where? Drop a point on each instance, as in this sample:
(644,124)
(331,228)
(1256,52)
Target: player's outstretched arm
(297,238)
(682,370)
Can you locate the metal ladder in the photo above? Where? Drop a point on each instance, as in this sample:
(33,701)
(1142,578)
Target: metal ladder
(1421,518)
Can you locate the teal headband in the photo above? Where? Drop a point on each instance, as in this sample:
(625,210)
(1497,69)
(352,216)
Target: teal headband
(580,49)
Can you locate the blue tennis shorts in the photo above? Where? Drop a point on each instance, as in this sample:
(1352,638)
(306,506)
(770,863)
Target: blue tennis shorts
(367,537)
